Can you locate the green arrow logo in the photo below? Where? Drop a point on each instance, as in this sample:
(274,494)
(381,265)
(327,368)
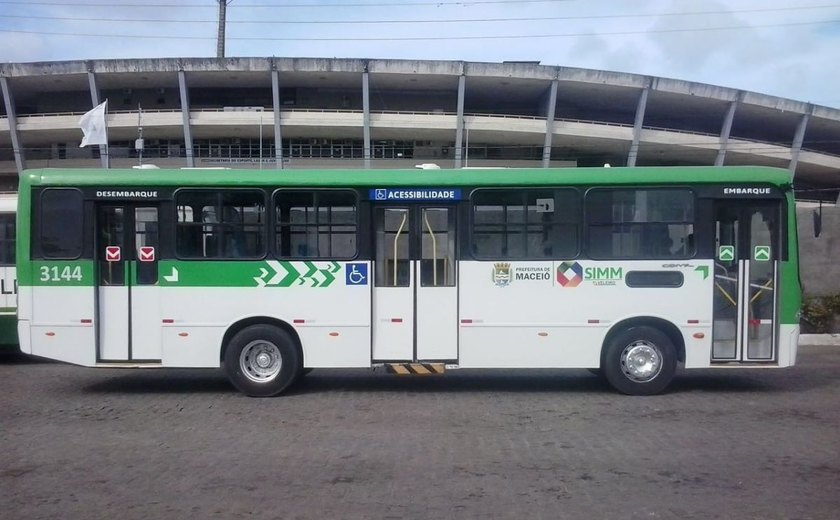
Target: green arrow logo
(726,253)
(285,274)
(704,269)
(762,253)
(311,271)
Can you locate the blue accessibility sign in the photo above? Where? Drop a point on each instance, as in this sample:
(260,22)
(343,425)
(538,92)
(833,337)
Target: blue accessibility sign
(356,274)
(414,194)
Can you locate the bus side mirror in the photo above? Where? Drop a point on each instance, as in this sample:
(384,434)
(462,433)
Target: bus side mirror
(818,221)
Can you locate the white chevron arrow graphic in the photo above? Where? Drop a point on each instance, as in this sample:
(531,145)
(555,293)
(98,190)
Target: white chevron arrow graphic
(279,272)
(259,279)
(172,277)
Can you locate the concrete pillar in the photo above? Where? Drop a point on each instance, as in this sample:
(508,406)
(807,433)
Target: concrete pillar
(9,101)
(549,123)
(798,138)
(459,125)
(726,129)
(104,152)
(94,91)
(275,96)
(366,116)
(185,116)
(637,127)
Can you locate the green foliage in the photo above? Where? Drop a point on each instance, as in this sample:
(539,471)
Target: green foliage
(821,312)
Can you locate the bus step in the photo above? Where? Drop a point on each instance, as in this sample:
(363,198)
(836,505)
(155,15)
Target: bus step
(416,369)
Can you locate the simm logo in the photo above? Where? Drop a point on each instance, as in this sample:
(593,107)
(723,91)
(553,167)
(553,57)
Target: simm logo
(603,275)
(569,274)
(572,274)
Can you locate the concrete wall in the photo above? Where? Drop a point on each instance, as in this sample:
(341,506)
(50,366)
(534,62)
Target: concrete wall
(819,258)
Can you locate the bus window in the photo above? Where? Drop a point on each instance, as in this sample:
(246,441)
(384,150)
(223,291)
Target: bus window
(220,224)
(315,224)
(61,224)
(7,239)
(638,224)
(525,224)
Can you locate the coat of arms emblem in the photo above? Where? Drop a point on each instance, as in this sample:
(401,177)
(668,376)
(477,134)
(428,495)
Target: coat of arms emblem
(501,274)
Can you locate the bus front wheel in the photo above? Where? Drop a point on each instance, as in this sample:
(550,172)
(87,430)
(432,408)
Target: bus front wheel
(640,361)
(262,361)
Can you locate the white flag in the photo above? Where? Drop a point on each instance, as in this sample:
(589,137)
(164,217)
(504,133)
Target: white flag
(94,127)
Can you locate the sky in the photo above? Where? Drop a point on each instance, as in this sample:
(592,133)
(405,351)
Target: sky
(783,48)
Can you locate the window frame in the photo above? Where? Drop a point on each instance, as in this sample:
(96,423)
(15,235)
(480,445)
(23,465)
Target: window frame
(38,251)
(276,226)
(600,189)
(523,191)
(9,262)
(264,230)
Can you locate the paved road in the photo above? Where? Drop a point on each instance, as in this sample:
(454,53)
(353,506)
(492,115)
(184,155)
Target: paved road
(83,443)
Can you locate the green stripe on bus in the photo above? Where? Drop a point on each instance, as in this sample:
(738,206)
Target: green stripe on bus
(263,273)
(174,273)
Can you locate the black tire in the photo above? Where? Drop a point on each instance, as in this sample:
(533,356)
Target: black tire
(656,361)
(262,361)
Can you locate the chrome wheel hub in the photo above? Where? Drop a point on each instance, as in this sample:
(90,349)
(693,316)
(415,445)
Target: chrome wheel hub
(641,361)
(260,361)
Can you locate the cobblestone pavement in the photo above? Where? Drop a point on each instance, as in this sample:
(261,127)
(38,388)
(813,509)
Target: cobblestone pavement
(86,443)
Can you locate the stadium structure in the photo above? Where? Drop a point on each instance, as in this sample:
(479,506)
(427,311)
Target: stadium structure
(372,113)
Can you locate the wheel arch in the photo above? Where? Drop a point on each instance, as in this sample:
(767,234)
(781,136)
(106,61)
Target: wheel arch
(667,328)
(244,323)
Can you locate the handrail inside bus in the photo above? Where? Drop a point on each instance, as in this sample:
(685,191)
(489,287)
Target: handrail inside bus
(434,247)
(761,288)
(726,295)
(396,239)
(759,292)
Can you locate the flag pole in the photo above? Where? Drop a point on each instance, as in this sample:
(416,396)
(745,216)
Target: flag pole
(107,146)
(138,144)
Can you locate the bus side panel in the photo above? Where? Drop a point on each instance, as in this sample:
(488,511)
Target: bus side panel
(191,344)
(788,344)
(8,304)
(24,318)
(790,295)
(557,314)
(331,316)
(62,325)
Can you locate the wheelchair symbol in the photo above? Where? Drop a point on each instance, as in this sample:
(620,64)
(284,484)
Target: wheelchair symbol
(381,194)
(356,274)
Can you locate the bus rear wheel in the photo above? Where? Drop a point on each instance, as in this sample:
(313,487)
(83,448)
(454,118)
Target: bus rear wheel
(262,361)
(640,361)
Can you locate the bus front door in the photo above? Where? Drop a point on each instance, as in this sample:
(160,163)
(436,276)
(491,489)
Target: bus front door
(415,293)
(747,254)
(127,299)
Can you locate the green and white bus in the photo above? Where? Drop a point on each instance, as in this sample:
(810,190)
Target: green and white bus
(8,278)
(630,272)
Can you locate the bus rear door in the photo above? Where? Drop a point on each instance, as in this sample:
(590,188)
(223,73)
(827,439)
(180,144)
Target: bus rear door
(748,250)
(127,297)
(415,293)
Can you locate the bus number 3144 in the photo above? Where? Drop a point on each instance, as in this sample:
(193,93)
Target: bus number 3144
(58,274)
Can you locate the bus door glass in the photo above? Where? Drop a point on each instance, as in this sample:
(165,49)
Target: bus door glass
(415,297)
(8,279)
(747,253)
(126,274)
